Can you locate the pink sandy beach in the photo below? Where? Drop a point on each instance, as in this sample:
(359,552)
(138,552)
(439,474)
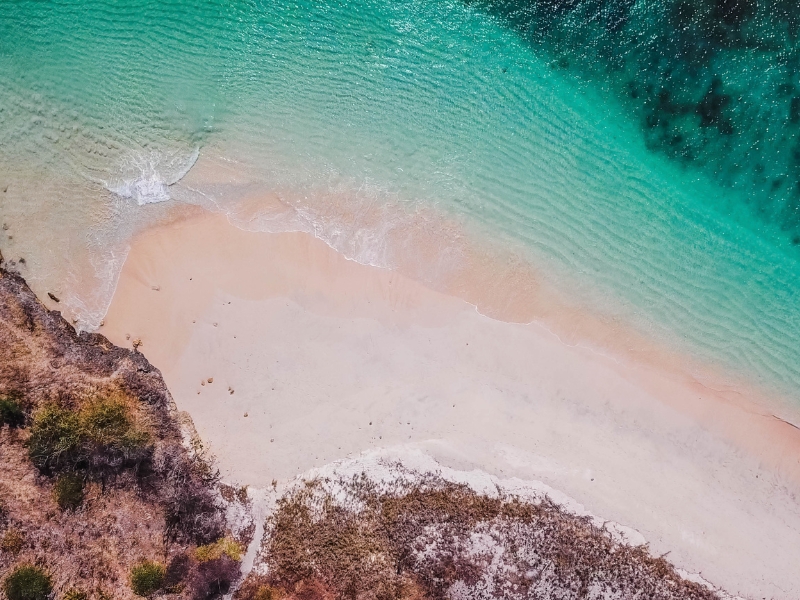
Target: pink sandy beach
(288,356)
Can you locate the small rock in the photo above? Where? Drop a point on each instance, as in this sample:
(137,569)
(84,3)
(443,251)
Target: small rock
(136,343)
(53,297)
(21,261)
(245,414)
(215,324)
(5,189)
(102,323)
(203,382)
(156,288)
(230,390)
(210,380)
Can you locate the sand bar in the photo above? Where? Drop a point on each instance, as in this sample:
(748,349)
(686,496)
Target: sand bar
(288,356)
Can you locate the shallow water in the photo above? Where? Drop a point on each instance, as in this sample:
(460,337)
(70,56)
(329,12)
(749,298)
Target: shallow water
(366,117)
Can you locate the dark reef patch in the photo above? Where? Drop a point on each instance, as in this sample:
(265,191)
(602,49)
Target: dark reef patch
(712,83)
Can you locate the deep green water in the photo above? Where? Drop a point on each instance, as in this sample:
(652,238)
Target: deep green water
(654,174)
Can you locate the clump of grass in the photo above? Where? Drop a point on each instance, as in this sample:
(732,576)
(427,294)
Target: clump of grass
(56,435)
(68,491)
(101,436)
(28,582)
(222,547)
(75,594)
(12,541)
(147,578)
(11,413)
(256,587)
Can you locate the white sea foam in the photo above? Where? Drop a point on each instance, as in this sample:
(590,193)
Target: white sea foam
(146,177)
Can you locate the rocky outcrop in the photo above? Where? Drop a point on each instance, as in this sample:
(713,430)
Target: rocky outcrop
(95,478)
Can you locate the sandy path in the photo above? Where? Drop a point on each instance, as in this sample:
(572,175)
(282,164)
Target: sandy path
(314,358)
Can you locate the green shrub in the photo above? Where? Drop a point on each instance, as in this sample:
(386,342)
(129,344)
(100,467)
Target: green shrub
(101,436)
(28,583)
(56,435)
(108,426)
(75,594)
(11,413)
(147,578)
(68,491)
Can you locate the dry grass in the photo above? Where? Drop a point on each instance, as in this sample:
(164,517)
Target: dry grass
(434,539)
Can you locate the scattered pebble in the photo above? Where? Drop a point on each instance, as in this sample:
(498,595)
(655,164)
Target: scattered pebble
(155,288)
(102,323)
(210,380)
(245,414)
(53,297)
(272,440)
(230,390)
(215,324)
(203,382)
(136,343)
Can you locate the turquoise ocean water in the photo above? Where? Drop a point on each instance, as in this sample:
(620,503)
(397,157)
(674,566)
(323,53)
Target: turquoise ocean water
(644,154)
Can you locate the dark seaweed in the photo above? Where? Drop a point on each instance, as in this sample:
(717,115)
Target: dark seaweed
(712,83)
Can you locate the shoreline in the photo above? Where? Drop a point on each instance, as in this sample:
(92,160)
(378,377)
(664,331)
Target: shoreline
(328,358)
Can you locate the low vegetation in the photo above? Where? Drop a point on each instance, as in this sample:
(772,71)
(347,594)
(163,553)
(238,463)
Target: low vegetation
(28,582)
(11,413)
(68,491)
(437,540)
(147,578)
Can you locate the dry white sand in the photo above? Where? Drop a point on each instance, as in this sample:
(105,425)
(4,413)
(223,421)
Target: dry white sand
(314,358)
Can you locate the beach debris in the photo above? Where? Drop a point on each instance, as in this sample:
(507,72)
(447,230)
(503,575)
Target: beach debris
(203,382)
(272,440)
(245,414)
(136,343)
(210,380)
(5,226)
(102,322)
(53,297)
(214,324)
(230,390)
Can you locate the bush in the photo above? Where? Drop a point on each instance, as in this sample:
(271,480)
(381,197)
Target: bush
(147,578)
(102,437)
(190,507)
(75,594)
(55,438)
(222,547)
(28,583)
(68,491)
(12,541)
(11,413)
(214,577)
